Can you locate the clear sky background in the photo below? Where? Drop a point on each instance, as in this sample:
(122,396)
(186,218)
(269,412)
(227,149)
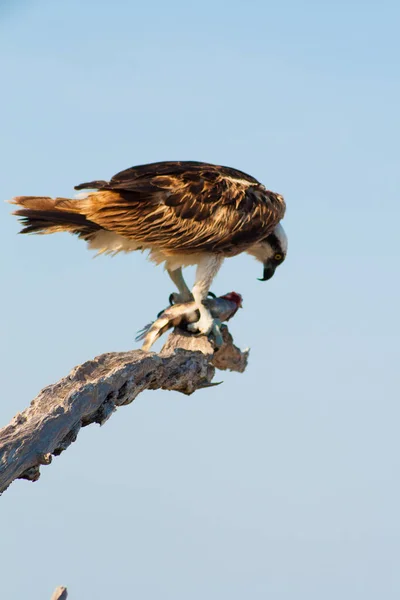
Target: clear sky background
(284,482)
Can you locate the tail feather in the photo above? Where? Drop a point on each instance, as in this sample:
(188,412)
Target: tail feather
(50,215)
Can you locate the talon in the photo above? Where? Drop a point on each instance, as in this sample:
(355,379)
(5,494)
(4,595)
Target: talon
(213,330)
(203,326)
(172,299)
(208,326)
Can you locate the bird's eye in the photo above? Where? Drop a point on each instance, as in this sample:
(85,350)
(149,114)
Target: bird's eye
(278,256)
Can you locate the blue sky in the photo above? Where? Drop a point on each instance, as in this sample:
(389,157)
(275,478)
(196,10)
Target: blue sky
(283,482)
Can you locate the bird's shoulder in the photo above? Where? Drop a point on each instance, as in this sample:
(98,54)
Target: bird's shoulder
(180,172)
(170,175)
(192,190)
(185,204)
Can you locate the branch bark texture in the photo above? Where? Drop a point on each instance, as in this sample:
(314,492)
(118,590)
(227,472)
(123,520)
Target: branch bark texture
(95,389)
(60,593)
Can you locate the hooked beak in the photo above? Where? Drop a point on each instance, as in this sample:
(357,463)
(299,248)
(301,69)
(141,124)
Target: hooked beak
(269,271)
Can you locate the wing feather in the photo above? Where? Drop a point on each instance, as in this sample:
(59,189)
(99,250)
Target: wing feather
(186,206)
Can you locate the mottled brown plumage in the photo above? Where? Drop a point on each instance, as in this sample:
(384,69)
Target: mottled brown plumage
(187,207)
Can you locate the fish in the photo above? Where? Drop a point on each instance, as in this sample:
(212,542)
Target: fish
(181,315)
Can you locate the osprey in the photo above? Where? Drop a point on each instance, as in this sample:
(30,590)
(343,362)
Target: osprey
(184,213)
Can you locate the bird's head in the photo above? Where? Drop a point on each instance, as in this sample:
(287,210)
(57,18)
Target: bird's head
(271,251)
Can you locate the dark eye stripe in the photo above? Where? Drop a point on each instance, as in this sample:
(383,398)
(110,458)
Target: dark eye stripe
(274,242)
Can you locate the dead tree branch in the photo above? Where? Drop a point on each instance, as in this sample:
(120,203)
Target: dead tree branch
(95,389)
(60,593)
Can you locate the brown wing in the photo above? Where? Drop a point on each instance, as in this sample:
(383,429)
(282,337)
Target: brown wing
(186,206)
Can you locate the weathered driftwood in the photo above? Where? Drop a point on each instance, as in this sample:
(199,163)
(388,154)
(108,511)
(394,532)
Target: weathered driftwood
(60,593)
(228,357)
(95,389)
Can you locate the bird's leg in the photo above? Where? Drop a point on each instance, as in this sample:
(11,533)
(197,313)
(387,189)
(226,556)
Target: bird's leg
(207,269)
(184,292)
